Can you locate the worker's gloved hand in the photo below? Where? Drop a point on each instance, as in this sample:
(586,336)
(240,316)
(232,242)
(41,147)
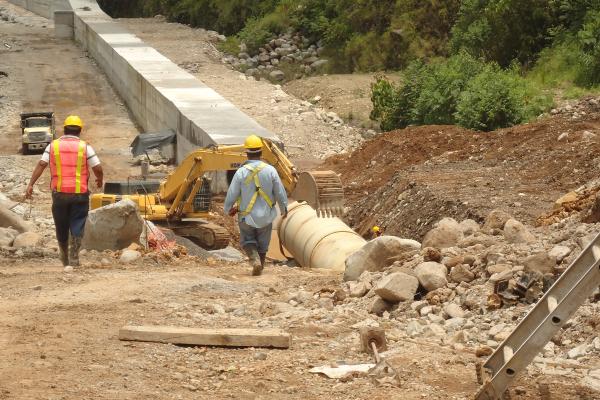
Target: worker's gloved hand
(234,210)
(29,192)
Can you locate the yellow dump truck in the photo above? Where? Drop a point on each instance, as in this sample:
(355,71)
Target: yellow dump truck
(37,131)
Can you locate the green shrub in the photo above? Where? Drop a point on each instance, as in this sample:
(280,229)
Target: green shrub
(460,90)
(230,46)
(589,40)
(441,87)
(503,30)
(255,34)
(490,101)
(558,65)
(386,104)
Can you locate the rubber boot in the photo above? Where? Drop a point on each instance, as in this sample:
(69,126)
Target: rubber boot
(254,260)
(63,251)
(263,259)
(74,248)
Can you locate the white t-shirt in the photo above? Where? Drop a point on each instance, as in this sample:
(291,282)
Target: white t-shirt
(92,158)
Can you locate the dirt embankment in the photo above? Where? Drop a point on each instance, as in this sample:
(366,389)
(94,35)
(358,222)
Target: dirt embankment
(408,179)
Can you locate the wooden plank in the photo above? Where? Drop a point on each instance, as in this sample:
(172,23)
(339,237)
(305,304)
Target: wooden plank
(208,337)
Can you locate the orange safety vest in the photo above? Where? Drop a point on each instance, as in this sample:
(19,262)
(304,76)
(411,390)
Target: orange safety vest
(68,165)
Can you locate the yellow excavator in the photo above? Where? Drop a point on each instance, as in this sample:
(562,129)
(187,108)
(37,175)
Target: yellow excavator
(183,199)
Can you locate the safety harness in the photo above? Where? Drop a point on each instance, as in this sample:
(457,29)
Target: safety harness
(254,170)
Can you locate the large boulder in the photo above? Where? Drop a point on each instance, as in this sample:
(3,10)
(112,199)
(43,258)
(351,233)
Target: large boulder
(447,233)
(469,227)
(560,253)
(113,227)
(7,236)
(277,75)
(496,219)
(129,255)
(397,287)
(461,273)
(432,275)
(13,220)
(27,239)
(540,262)
(516,232)
(377,254)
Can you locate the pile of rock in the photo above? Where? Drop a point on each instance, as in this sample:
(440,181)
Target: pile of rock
(578,109)
(285,49)
(465,283)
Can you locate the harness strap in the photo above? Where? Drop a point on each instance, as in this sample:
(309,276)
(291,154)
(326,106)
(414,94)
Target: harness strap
(259,191)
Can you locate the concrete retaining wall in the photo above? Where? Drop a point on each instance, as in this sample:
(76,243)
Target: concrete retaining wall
(159,94)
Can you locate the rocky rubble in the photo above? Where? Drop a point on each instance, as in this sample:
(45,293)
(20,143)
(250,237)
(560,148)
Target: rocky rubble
(289,52)
(467,288)
(577,109)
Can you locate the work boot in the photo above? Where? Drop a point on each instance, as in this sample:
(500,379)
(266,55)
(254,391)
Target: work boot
(254,260)
(63,251)
(263,259)
(74,248)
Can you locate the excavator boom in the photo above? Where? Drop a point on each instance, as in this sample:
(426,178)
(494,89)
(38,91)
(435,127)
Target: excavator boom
(182,201)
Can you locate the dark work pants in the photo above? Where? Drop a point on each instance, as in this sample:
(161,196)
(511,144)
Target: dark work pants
(70,211)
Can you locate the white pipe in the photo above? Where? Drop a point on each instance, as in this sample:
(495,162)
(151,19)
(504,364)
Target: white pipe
(317,242)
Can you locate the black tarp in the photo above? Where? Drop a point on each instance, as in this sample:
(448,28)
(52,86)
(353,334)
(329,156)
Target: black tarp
(146,141)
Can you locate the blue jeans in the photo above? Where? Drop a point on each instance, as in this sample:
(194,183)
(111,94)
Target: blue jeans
(259,237)
(70,212)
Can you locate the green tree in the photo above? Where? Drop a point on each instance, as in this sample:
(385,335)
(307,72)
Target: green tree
(503,30)
(425,26)
(589,40)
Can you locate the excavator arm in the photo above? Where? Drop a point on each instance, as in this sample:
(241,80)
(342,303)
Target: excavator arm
(175,190)
(180,204)
(320,189)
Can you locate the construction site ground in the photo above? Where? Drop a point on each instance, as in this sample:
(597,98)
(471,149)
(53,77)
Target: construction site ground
(58,331)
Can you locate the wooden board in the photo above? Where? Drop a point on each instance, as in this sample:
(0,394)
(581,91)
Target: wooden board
(208,337)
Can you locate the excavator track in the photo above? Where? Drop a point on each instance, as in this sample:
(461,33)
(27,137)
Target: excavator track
(323,191)
(207,235)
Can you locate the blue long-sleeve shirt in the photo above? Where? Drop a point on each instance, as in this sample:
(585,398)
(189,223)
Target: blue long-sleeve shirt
(261,214)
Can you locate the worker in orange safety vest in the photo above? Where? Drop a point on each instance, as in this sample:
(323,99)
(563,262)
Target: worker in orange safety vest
(69,158)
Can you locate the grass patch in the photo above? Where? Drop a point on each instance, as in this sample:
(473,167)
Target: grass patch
(230,46)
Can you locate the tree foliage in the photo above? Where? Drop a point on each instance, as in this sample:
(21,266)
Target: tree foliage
(458,90)
(503,30)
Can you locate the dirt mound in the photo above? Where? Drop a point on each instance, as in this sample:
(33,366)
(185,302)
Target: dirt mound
(407,179)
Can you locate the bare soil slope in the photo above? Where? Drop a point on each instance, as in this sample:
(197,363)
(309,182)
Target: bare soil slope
(408,179)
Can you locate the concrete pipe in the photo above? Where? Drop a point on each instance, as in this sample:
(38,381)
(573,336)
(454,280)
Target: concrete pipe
(317,242)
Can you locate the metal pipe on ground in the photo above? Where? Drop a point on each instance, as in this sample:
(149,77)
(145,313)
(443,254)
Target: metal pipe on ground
(317,242)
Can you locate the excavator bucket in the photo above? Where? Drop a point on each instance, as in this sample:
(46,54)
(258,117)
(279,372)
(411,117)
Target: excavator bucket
(323,191)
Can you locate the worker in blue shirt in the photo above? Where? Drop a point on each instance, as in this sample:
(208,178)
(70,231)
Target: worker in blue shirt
(253,192)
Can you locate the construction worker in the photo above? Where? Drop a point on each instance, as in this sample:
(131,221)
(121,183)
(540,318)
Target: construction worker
(253,192)
(69,158)
(376,232)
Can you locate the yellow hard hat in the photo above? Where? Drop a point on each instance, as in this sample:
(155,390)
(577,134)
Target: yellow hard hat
(376,229)
(253,142)
(74,120)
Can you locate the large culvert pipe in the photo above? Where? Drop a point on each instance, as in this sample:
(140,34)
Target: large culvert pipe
(317,242)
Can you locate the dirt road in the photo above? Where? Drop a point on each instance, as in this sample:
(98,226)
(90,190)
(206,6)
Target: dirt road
(48,74)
